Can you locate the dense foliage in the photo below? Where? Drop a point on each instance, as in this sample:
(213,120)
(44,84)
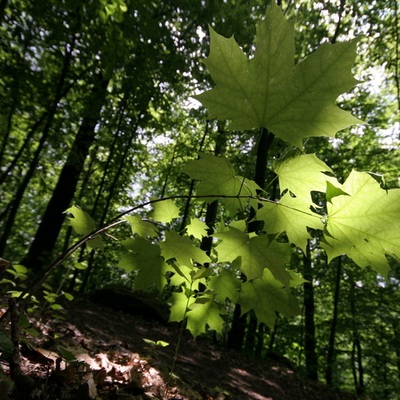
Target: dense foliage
(264,208)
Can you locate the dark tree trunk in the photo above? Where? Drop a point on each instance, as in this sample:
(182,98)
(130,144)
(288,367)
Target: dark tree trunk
(309,329)
(251,334)
(8,120)
(238,328)
(272,338)
(39,254)
(260,340)
(396,342)
(237,333)
(331,346)
(3,5)
(356,354)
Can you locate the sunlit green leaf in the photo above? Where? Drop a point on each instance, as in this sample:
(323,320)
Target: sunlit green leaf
(217,177)
(83,224)
(266,296)
(165,211)
(202,313)
(182,249)
(364,224)
(140,227)
(144,257)
(268,90)
(255,253)
(291,215)
(178,306)
(226,285)
(302,175)
(197,228)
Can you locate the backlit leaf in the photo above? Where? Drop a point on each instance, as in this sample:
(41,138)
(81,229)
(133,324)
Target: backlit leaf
(144,257)
(140,227)
(255,253)
(364,224)
(291,215)
(182,249)
(266,296)
(83,224)
(293,102)
(226,285)
(217,177)
(165,211)
(202,313)
(302,175)
(197,228)
(81,221)
(178,302)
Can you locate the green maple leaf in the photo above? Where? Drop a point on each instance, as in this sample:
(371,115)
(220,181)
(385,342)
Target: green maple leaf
(165,211)
(83,224)
(291,215)
(144,257)
(297,279)
(179,302)
(217,177)
(225,285)
(269,91)
(302,175)
(183,274)
(204,311)
(140,227)
(266,296)
(182,249)
(256,253)
(197,229)
(365,223)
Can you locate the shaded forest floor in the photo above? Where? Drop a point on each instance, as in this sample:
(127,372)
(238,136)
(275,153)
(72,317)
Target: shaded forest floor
(117,363)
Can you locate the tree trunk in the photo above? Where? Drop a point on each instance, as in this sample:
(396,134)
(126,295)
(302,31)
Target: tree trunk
(260,340)
(39,254)
(238,328)
(237,332)
(360,388)
(356,355)
(3,5)
(331,346)
(396,342)
(251,334)
(309,325)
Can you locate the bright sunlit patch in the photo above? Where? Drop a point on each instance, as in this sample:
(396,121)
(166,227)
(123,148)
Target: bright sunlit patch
(200,33)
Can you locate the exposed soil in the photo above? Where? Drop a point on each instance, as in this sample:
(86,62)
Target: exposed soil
(117,363)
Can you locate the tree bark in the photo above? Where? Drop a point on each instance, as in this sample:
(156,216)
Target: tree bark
(396,342)
(39,254)
(3,5)
(237,332)
(356,354)
(331,346)
(310,341)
